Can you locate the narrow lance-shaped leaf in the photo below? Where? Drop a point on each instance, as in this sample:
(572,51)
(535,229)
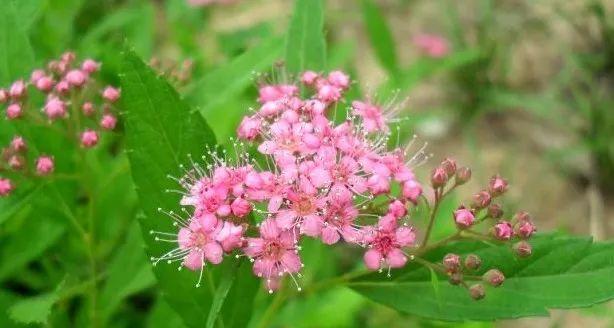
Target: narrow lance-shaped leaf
(563,272)
(305,42)
(161,132)
(380,36)
(16,56)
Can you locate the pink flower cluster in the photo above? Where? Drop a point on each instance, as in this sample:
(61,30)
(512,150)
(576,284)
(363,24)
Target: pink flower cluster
(321,183)
(336,181)
(74,101)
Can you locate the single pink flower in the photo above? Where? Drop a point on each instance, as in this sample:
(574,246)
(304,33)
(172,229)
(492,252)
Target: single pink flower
(55,108)
(18,89)
(385,243)
(90,66)
(76,78)
(503,230)
(372,117)
(274,253)
(249,128)
(199,241)
(111,94)
(13,111)
(44,84)
(87,108)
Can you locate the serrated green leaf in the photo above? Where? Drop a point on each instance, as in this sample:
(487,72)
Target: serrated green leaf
(380,36)
(305,42)
(563,272)
(129,272)
(222,85)
(35,309)
(161,132)
(16,56)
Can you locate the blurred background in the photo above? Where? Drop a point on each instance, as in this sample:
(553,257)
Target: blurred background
(523,88)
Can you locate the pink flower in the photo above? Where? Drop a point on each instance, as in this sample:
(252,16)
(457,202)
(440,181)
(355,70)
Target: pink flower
(55,108)
(13,111)
(62,87)
(89,138)
(397,209)
(432,45)
(240,207)
(385,243)
(5,187)
(464,218)
(249,128)
(412,190)
(337,221)
(302,205)
(44,165)
(274,253)
(108,122)
(199,240)
(76,78)
(111,94)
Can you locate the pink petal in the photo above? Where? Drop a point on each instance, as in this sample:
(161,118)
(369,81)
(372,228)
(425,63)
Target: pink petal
(312,225)
(395,258)
(269,229)
(330,235)
(373,259)
(194,260)
(405,236)
(213,252)
(291,261)
(285,219)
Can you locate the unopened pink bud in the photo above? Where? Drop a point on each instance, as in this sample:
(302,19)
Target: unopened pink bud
(495,211)
(5,187)
(111,94)
(455,278)
(68,57)
(494,277)
(523,249)
(13,111)
(439,177)
(309,77)
(477,292)
(451,262)
(16,162)
(240,207)
(18,89)
(76,78)
(473,262)
(89,138)
(497,185)
(397,209)
(412,190)
(524,229)
(463,217)
(449,166)
(522,216)
(481,199)
(463,175)
(18,144)
(44,84)
(339,79)
(108,122)
(62,87)
(36,75)
(87,108)
(55,108)
(44,165)
(503,230)
(90,66)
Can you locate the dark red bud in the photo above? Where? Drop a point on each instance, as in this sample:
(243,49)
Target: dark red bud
(473,262)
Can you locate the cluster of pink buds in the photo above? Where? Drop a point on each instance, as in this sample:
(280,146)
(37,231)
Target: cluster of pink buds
(334,181)
(74,102)
(14,160)
(483,209)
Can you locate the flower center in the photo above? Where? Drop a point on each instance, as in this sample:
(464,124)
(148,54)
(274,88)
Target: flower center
(273,250)
(304,205)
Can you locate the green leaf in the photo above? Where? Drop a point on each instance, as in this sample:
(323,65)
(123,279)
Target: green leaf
(35,235)
(162,316)
(305,42)
(35,309)
(380,36)
(128,273)
(16,56)
(161,132)
(29,11)
(563,272)
(222,85)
